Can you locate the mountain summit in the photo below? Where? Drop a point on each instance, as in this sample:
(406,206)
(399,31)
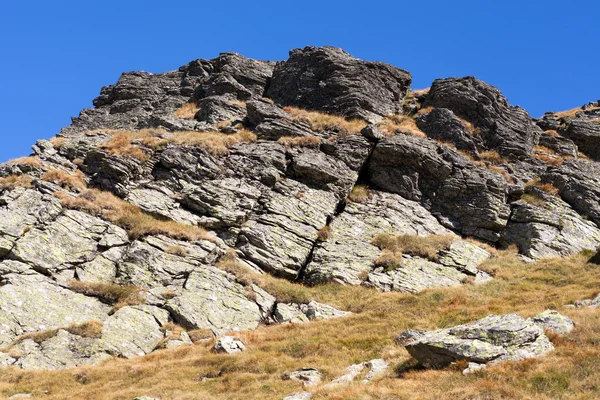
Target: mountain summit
(234,194)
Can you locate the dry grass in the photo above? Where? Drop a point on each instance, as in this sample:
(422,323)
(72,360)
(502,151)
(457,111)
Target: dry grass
(573,112)
(322,122)
(70,181)
(548,156)
(572,371)
(117,295)
(13,181)
(533,199)
(400,124)
(187,111)
(177,251)
(31,161)
(300,141)
(58,141)
(422,246)
(545,187)
(502,172)
(324,233)
(492,157)
(89,329)
(551,132)
(127,143)
(113,209)
(421,92)
(359,194)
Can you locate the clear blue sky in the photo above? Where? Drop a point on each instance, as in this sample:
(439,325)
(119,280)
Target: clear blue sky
(56,55)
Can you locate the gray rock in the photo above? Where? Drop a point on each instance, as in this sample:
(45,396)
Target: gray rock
(289,314)
(211,299)
(229,345)
(133,331)
(260,110)
(349,251)
(442,124)
(504,128)
(308,376)
(492,339)
(586,135)
(329,79)
(215,109)
(560,145)
(473,367)
(549,230)
(159,201)
(468,199)
(317,311)
(299,396)
(554,322)
(351,373)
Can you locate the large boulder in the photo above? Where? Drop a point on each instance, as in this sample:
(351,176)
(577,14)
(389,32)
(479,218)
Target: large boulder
(465,198)
(441,124)
(507,129)
(586,135)
(492,339)
(329,79)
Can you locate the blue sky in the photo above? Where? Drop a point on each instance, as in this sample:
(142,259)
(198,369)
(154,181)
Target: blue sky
(57,55)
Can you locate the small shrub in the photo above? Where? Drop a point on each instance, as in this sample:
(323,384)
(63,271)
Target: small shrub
(70,181)
(400,124)
(177,251)
(111,293)
(359,194)
(31,161)
(13,181)
(492,157)
(324,233)
(322,122)
(300,141)
(89,329)
(58,141)
(110,207)
(422,246)
(187,111)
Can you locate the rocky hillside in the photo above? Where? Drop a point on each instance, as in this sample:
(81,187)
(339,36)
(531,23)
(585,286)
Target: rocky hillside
(234,195)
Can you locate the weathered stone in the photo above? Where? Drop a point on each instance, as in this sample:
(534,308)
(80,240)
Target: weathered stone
(159,201)
(260,110)
(551,229)
(507,129)
(308,376)
(229,345)
(211,299)
(317,311)
(215,109)
(289,314)
(560,145)
(32,303)
(586,135)
(491,339)
(554,322)
(466,198)
(442,124)
(75,237)
(133,331)
(299,396)
(349,252)
(330,80)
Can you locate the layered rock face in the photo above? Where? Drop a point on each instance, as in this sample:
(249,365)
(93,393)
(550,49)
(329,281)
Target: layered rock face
(292,169)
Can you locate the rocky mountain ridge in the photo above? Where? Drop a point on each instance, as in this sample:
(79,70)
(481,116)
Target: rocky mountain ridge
(143,219)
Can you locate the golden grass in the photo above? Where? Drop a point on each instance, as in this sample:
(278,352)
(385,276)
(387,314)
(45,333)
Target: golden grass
(502,172)
(177,251)
(492,157)
(359,194)
(31,161)
(117,295)
(322,122)
(187,111)
(393,246)
(572,371)
(324,233)
(13,181)
(113,209)
(123,143)
(58,141)
(573,112)
(545,187)
(400,124)
(300,141)
(70,181)
(89,329)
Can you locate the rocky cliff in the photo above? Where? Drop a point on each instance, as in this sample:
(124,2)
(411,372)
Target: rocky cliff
(165,208)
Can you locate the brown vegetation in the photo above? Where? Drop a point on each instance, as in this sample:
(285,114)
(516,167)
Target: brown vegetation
(13,181)
(492,157)
(31,161)
(359,194)
(393,246)
(545,187)
(113,209)
(572,112)
(571,371)
(300,141)
(72,181)
(400,124)
(187,111)
(58,141)
(89,329)
(324,233)
(321,122)
(117,295)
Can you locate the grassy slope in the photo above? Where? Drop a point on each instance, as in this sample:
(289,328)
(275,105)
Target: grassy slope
(572,371)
